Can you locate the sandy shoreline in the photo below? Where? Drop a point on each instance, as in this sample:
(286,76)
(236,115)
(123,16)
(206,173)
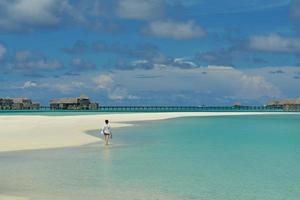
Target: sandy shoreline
(45,132)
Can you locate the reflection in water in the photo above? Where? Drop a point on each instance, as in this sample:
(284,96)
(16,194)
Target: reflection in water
(218,158)
(106,155)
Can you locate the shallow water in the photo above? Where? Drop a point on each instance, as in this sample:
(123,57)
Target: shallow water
(210,158)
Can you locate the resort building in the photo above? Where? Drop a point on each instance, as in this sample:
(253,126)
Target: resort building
(237,105)
(18,104)
(286,104)
(21,103)
(6,104)
(78,103)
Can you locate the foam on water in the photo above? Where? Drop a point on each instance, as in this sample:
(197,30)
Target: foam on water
(213,158)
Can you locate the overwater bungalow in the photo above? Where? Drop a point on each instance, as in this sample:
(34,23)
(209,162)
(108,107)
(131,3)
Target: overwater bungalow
(21,103)
(78,103)
(285,104)
(6,104)
(18,104)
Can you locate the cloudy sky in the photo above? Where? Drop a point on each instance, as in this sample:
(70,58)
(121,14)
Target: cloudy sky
(151,52)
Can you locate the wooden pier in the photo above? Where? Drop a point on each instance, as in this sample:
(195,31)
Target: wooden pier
(171,109)
(153,109)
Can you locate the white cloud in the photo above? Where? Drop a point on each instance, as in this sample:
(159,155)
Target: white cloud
(3,51)
(169,85)
(107,83)
(219,68)
(184,62)
(213,82)
(82,65)
(174,29)
(65,87)
(44,64)
(25,85)
(35,11)
(140,9)
(275,43)
(103,81)
(32,15)
(240,84)
(28,61)
(138,62)
(121,94)
(29,84)
(40,64)
(23,55)
(254,87)
(26,14)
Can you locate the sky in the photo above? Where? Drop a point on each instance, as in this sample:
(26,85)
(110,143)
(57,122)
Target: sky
(151,52)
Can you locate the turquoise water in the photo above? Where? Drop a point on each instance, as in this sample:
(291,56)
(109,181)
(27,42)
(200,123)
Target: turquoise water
(209,158)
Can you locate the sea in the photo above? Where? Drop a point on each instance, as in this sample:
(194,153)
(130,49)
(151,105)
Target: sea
(189,158)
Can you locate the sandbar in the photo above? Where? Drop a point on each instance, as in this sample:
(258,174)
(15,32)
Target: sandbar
(31,132)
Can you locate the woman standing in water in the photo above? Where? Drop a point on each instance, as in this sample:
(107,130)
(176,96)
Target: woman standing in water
(106,131)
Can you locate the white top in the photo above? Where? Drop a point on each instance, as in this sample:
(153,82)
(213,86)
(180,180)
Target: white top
(106,128)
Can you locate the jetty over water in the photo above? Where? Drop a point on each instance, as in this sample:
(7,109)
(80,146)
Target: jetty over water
(128,109)
(83,104)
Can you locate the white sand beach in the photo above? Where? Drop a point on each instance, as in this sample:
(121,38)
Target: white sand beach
(45,132)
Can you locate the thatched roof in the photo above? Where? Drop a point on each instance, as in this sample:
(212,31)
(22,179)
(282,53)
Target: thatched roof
(6,99)
(15,100)
(284,102)
(64,100)
(83,97)
(20,100)
(69,100)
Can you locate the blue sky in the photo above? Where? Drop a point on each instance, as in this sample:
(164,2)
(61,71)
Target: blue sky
(151,52)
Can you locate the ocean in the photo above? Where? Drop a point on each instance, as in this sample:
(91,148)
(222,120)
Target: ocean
(191,158)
